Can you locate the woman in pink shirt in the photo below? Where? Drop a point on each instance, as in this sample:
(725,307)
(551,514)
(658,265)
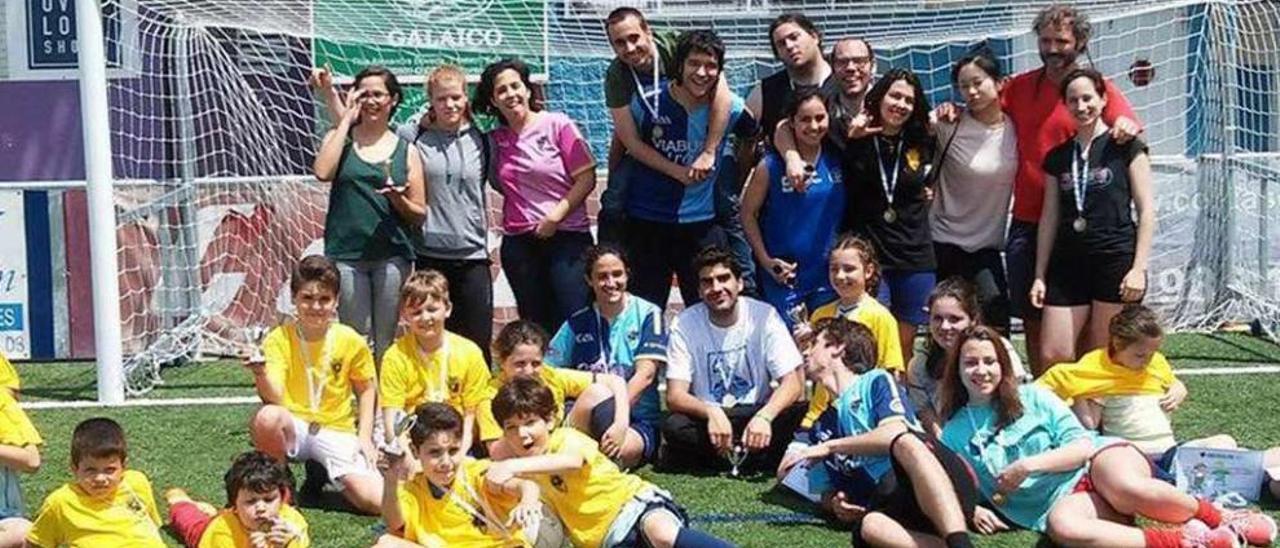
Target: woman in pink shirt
(544,169)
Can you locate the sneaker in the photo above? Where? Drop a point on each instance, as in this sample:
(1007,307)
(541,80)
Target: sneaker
(1255,528)
(1195,534)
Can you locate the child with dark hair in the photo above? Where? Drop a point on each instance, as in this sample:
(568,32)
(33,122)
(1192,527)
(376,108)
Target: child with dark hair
(601,404)
(451,502)
(600,504)
(256,514)
(107,504)
(878,470)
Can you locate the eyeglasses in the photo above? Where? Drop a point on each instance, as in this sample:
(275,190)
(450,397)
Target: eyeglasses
(860,62)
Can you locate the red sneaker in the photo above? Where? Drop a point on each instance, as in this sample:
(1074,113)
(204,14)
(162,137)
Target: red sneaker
(1255,528)
(1195,534)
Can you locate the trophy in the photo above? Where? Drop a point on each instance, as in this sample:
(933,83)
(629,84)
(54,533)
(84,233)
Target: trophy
(736,456)
(256,334)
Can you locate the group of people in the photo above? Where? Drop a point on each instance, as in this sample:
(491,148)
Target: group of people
(812,228)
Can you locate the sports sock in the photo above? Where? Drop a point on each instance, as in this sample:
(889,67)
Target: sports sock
(693,538)
(1162,538)
(959,540)
(1208,513)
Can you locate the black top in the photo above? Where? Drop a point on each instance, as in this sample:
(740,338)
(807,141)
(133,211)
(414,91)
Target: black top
(775,93)
(905,243)
(1110,228)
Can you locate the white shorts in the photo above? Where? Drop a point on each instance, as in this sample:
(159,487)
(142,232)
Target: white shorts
(338,452)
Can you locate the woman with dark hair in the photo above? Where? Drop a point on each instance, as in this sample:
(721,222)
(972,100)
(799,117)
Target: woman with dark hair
(622,334)
(1093,187)
(887,166)
(544,169)
(976,165)
(377,202)
(791,231)
(953,308)
(1040,469)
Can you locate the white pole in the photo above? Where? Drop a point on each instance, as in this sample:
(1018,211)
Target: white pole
(102,214)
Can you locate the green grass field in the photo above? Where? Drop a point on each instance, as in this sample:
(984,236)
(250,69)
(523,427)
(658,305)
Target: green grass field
(191,446)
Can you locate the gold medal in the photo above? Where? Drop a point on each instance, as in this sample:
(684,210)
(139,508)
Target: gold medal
(1079,225)
(729,400)
(313,428)
(657,132)
(998,499)
(890,216)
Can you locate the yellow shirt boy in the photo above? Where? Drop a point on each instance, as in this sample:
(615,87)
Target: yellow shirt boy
(226,531)
(589,499)
(884,328)
(332,365)
(407,382)
(8,375)
(563,383)
(125,519)
(435,518)
(16,430)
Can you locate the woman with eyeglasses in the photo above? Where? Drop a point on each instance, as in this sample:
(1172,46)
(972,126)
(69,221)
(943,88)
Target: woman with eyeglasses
(377,202)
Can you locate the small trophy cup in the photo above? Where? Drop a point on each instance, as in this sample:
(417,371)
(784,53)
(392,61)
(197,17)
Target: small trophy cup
(736,456)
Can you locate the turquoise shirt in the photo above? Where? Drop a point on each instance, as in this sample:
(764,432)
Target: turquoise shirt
(1046,424)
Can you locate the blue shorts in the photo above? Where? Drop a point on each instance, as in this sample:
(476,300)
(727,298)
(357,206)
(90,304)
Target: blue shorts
(602,419)
(1163,468)
(906,294)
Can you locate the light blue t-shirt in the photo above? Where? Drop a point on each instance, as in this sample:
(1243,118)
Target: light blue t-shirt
(588,342)
(679,135)
(861,408)
(1046,424)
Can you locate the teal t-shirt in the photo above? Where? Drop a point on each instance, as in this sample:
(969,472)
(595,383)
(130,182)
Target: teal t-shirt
(360,224)
(1046,424)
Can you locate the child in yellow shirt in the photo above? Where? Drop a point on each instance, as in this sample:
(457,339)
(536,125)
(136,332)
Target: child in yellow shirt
(1128,389)
(108,505)
(428,363)
(450,503)
(19,454)
(256,515)
(600,505)
(8,376)
(854,274)
(601,405)
(311,368)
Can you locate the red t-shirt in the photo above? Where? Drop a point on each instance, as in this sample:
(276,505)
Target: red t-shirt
(1042,122)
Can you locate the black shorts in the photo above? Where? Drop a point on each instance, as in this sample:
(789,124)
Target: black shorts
(1077,278)
(896,498)
(1020,259)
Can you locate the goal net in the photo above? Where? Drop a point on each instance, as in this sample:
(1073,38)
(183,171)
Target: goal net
(214,128)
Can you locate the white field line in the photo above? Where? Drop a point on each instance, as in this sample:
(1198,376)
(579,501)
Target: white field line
(171,402)
(1244,370)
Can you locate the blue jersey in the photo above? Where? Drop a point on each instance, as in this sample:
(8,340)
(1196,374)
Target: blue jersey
(679,135)
(801,226)
(863,406)
(588,342)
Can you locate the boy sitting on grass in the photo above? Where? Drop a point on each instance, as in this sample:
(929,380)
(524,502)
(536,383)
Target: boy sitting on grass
(107,505)
(601,505)
(428,363)
(311,368)
(450,502)
(19,454)
(256,515)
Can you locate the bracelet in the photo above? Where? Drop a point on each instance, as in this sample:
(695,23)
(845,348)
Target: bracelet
(762,415)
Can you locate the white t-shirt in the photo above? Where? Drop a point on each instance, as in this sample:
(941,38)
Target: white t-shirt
(740,360)
(975,184)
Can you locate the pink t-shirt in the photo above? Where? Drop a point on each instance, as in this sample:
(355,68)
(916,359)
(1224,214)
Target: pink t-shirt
(535,171)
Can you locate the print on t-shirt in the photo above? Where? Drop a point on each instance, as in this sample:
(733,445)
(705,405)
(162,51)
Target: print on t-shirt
(726,368)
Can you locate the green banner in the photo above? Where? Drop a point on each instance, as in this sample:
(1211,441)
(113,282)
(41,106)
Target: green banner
(412,36)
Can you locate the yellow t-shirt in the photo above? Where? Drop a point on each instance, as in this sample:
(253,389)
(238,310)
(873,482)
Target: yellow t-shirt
(563,383)
(883,327)
(15,427)
(429,519)
(407,382)
(1095,375)
(125,519)
(8,375)
(226,531)
(588,499)
(346,358)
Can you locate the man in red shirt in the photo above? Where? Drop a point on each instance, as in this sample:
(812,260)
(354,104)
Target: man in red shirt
(1034,103)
